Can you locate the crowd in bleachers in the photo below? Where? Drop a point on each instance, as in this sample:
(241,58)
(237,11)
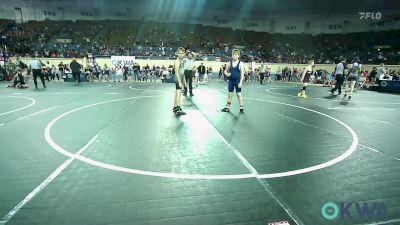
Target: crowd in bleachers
(67,39)
(160,40)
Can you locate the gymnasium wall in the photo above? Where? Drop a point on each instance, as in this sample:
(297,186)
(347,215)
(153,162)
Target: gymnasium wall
(213,64)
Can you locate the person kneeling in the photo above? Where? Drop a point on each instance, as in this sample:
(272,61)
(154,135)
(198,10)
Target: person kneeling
(18,81)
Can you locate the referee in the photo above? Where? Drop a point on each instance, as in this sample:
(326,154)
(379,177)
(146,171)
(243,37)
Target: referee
(35,66)
(339,75)
(189,66)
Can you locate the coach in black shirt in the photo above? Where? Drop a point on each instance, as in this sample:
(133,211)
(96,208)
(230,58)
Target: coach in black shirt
(76,70)
(202,70)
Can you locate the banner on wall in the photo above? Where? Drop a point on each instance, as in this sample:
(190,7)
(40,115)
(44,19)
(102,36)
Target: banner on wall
(123,60)
(64,40)
(389,86)
(240,47)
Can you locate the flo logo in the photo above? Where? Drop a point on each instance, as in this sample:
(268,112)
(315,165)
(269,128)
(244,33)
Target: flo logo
(355,210)
(370,15)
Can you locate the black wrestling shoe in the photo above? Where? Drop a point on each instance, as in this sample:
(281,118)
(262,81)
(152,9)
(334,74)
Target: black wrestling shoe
(180,112)
(226,109)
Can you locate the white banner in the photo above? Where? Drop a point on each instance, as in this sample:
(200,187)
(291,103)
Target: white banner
(122,60)
(64,40)
(240,47)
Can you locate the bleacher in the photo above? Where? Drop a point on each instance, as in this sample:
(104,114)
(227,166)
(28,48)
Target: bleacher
(155,39)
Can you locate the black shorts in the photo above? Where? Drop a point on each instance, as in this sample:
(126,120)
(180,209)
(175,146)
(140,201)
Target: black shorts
(176,83)
(177,86)
(306,79)
(19,82)
(351,78)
